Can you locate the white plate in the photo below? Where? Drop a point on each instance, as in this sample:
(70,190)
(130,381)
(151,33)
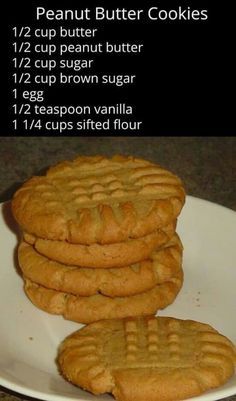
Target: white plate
(29,337)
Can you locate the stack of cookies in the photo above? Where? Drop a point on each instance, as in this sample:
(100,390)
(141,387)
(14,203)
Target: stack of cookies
(99,238)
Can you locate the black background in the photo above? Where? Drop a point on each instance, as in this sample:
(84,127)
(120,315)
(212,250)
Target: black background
(185,81)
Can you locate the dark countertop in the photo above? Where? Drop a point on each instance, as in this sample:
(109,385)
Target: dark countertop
(207,166)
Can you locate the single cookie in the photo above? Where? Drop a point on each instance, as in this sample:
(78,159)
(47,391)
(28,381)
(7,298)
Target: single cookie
(98,307)
(99,200)
(102,256)
(149,358)
(119,282)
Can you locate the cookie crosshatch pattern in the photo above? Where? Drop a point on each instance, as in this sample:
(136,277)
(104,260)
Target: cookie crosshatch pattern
(99,200)
(158,358)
